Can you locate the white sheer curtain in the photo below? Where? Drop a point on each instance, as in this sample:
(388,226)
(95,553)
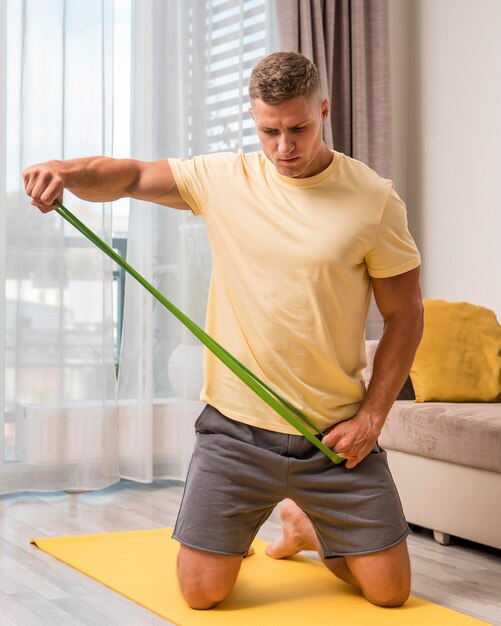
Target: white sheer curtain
(62,425)
(59,411)
(191,63)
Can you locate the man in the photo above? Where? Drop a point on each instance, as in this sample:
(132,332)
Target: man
(299,235)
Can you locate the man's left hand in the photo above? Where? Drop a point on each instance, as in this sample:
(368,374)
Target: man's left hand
(353,439)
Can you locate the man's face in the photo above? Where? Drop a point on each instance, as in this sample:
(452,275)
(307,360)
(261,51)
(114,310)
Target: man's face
(291,135)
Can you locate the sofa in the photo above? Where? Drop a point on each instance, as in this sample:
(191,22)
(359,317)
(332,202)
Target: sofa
(446,462)
(445,458)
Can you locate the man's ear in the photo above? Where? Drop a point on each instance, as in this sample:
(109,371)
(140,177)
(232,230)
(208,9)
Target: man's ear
(325,109)
(251,113)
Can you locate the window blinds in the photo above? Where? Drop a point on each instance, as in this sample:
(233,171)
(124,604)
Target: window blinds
(236,34)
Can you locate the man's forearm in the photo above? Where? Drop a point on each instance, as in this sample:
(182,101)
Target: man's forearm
(392,362)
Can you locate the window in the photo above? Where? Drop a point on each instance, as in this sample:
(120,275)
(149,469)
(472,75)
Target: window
(66,94)
(236,34)
(220,41)
(240,34)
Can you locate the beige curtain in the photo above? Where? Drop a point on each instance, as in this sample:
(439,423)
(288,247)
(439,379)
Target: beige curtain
(348,40)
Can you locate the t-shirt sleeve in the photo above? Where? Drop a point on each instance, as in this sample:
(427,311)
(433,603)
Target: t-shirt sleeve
(196,178)
(393,250)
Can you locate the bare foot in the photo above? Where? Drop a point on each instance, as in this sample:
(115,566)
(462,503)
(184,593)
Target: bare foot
(250,552)
(297,533)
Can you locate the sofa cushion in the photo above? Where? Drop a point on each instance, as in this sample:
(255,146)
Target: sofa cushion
(465,434)
(459,358)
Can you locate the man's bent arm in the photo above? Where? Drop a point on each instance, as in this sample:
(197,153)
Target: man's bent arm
(102,179)
(399,301)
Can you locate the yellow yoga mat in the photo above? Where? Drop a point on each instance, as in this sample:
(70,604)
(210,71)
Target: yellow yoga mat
(141,565)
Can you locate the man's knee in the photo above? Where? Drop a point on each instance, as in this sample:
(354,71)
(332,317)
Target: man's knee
(205,579)
(384,577)
(390,596)
(201,599)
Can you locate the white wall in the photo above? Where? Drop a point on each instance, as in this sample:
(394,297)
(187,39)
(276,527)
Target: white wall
(3,195)
(446,84)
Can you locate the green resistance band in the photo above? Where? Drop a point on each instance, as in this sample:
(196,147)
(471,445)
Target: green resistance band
(266,393)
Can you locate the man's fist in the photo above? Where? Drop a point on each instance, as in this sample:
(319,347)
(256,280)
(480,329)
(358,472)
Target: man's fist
(44,184)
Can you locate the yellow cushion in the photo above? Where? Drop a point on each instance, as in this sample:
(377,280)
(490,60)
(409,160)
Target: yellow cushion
(459,358)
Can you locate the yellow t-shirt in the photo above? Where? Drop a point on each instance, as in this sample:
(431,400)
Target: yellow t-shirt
(290,288)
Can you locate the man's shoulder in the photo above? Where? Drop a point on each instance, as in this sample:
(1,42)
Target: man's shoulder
(245,160)
(359,172)
(228,157)
(220,163)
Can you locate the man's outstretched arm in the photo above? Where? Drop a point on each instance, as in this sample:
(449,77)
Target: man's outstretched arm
(399,300)
(102,179)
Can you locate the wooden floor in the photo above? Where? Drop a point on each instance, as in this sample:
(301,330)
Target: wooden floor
(35,589)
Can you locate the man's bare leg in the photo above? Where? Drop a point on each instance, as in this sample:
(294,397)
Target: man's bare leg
(205,578)
(383,577)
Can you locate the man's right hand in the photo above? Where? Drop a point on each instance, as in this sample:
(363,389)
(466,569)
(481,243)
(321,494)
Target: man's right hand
(44,184)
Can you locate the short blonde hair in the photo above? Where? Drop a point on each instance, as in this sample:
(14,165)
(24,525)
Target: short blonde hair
(282,76)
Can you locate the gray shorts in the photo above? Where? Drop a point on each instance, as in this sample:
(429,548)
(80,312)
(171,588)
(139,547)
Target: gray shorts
(239,473)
